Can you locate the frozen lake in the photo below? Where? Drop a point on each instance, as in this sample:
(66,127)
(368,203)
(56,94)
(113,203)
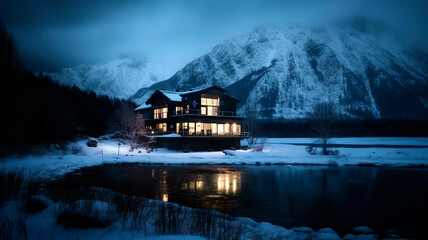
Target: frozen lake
(385,199)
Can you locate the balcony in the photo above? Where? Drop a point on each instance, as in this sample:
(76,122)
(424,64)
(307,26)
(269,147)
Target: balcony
(200,134)
(198,112)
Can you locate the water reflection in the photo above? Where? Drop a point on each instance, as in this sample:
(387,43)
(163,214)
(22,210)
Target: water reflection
(229,182)
(162,185)
(165,197)
(312,196)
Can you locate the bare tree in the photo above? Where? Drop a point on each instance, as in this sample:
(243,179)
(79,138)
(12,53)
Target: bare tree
(130,127)
(144,137)
(323,115)
(252,125)
(125,125)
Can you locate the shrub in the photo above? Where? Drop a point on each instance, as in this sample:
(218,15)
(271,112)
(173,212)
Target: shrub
(92,142)
(86,214)
(334,153)
(311,150)
(76,150)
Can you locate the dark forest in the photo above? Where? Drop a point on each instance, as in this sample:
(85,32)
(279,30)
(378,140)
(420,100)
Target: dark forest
(35,110)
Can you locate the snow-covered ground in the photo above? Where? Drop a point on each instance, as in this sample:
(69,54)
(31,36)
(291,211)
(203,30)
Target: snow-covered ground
(44,224)
(397,141)
(276,151)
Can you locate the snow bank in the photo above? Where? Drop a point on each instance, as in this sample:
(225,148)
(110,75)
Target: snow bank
(147,219)
(276,151)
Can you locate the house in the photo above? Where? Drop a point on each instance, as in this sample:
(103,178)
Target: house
(203,119)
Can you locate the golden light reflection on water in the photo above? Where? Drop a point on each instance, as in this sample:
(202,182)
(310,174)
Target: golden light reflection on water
(165,197)
(162,185)
(197,185)
(229,183)
(223,183)
(211,186)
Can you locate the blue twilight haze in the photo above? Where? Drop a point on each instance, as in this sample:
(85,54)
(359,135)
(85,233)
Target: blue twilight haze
(57,34)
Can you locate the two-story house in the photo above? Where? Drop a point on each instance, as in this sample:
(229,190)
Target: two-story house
(200,119)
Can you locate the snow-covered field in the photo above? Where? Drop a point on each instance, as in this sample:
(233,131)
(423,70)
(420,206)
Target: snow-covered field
(276,151)
(398,141)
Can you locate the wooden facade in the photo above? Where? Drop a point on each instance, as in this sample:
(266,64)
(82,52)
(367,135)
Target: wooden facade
(193,120)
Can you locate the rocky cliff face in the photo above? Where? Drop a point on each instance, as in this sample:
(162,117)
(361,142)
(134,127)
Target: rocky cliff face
(360,65)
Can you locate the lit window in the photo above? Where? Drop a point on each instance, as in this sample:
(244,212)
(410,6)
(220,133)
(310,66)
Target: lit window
(160,113)
(214,128)
(191,128)
(161,127)
(198,127)
(220,129)
(209,106)
(178,110)
(226,128)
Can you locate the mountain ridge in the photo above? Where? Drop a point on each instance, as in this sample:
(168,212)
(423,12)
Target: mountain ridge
(359,65)
(116,78)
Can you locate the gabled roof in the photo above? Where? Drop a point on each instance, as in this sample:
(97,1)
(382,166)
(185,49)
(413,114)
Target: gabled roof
(178,96)
(143,106)
(173,96)
(205,89)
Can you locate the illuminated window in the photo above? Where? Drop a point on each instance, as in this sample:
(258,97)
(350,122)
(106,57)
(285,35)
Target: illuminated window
(234,128)
(220,129)
(191,128)
(214,128)
(198,127)
(207,129)
(161,127)
(177,130)
(160,113)
(226,128)
(178,110)
(210,106)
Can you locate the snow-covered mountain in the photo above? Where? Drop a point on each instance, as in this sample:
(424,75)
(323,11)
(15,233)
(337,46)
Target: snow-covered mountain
(360,65)
(117,78)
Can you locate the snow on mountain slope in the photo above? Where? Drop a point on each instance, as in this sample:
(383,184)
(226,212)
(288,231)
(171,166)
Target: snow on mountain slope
(360,65)
(117,78)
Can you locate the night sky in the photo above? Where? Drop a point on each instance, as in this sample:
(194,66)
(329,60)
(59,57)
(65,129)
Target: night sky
(54,34)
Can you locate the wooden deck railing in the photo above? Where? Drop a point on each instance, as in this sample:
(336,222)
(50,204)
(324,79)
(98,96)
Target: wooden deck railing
(198,112)
(201,134)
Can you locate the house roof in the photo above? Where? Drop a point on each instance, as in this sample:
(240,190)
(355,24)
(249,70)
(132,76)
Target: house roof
(178,96)
(173,96)
(143,106)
